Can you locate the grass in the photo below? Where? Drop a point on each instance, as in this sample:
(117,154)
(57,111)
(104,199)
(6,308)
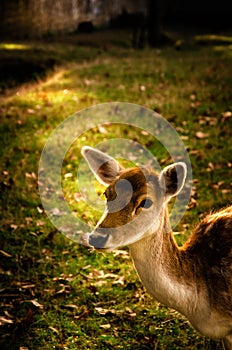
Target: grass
(55,294)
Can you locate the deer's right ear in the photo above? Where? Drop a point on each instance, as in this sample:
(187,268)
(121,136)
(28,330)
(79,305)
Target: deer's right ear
(172,179)
(104,167)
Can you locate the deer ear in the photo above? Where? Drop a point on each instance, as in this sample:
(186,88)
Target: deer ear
(104,167)
(172,179)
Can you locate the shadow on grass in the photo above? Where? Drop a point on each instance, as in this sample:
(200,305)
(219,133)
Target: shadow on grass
(20,63)
(24,65)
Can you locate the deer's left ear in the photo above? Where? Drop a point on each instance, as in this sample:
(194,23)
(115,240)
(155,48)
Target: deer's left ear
(172,179)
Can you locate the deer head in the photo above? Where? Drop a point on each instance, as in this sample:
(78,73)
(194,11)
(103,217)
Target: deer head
(135,199)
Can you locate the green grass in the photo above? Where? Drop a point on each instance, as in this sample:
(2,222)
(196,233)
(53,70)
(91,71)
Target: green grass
(56,294)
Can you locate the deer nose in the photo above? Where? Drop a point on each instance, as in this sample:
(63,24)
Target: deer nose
(98,241)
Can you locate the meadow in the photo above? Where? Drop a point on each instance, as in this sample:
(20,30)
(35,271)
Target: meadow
(55,293)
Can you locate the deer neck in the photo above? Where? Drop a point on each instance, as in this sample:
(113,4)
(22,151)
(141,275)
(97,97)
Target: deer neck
(164,268)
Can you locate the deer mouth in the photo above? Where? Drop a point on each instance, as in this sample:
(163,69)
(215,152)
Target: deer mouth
(98,241)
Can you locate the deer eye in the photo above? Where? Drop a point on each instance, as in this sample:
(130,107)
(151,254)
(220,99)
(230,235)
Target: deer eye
(145,204)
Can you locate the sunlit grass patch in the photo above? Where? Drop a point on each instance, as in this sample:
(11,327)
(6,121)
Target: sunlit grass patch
(213,39)
(14,46)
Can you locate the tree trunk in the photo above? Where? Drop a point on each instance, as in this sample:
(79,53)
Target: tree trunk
(155,13)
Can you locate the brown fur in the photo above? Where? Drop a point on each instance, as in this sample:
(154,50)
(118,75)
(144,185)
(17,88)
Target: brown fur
(195,279)
(208,252)
(210,247)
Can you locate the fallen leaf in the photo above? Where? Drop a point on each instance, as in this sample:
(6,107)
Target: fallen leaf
(184,137)
(13,226)
(56,212)
(40,223)
(5,272)
(28,286)
(105,326)
(201,135)
(86,267)
(192,203)
(68,175)
(96,273)
(195,104)
(225,191)
(193,97)
(121,253)
(210,167)
(131,313)
(102,130)
(103,311)
(98,283)
(33,234)
(8,314)
(87,82)
(4,321)
(71,306)
(77,196)
(227,114)
(7,255)
(209,120)
(64,289)
(30,111)
(36,304)
(39,210)
(31,175)
(55,330)
(120,280)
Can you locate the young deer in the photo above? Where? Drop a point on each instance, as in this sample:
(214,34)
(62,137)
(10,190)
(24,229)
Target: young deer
(196,279)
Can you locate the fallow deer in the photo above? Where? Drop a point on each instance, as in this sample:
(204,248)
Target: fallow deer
(195,279)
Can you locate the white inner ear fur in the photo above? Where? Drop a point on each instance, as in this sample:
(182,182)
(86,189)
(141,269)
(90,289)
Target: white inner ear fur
(104,167)
(171,187)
